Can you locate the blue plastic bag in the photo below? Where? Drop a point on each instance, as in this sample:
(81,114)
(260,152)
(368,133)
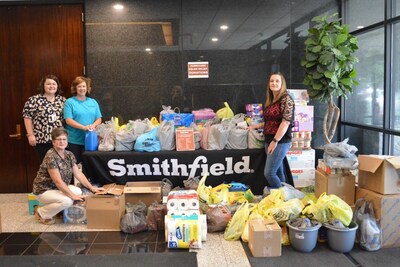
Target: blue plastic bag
(91,141)
(148,142)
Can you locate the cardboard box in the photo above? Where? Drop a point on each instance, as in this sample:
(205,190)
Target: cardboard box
(145,191)
(303,119)
(32,203)
(387,211)
(303,177)
(301,158)
(379,173)
(340,185)
(184,139)
(265,238)
(105,210)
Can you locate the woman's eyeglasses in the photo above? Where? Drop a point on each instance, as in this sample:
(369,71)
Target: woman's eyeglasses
(61,139)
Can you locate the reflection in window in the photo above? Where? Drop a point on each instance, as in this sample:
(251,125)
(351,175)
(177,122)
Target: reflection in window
(395,108)
(395,145)
(362,13)
(395,8)
(365,105)
(367,142)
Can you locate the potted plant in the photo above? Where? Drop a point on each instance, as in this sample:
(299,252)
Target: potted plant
(329,66)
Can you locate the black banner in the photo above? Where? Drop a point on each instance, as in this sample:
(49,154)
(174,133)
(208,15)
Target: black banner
(244,166)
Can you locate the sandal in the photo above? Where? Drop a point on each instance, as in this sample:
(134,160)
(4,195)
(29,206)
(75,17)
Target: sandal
(40,219)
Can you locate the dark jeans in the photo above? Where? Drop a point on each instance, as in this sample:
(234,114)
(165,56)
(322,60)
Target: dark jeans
(274,169)
(77,150)
(41,150)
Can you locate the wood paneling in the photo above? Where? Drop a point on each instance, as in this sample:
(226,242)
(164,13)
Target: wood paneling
(35,41)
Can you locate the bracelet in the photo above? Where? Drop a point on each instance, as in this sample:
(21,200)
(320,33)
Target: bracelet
(27,135)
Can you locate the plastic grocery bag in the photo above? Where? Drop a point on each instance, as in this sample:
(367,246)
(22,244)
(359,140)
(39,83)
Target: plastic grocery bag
(225,112)
(148,142)
(204,192)
(330,207)
(134,221)
(236,225)
(218,218)
(255,139)
(217,137)
(166,135)
(368,233)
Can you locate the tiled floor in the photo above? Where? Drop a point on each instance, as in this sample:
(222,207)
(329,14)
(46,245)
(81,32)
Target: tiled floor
(22,235)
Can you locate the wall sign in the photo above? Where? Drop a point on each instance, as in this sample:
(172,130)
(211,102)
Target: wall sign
(198,70)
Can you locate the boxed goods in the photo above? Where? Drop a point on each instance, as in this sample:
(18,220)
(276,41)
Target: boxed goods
(379,173)
(183,231)
(76,213)
(203,115)
(301,158)
(145,191)
(32,203)
(300,96)
(265,238)
(303,177)
(340,185)
(387,212)
(104,210)
(303,119)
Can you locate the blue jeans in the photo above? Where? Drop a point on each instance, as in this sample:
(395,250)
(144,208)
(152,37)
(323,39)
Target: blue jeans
(273,171)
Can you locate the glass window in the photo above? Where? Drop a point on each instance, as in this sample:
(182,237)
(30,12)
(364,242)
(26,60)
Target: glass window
(395,8)
(362,13)
(395,145)
(395,80)
(367,142)
(365,105)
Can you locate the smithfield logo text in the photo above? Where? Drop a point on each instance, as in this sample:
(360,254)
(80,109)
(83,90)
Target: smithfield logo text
(171,167)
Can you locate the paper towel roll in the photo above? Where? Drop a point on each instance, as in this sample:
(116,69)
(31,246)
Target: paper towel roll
(192,212)
(172,204)
(203,222)
(194,204)
(183,204)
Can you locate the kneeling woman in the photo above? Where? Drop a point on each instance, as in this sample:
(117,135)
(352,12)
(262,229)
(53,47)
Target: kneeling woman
(52,183)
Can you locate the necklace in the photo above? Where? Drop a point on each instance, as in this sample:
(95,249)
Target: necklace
(62,157)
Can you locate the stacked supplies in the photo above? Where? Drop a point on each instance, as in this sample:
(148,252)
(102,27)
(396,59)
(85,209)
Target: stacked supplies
(184,226)
(183,202)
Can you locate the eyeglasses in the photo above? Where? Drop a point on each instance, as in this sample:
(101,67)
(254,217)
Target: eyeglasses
(61,139)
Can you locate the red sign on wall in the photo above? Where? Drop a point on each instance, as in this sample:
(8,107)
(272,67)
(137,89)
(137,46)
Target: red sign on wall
(198,69)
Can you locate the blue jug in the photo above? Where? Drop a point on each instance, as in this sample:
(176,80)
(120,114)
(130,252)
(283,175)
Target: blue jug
(91,141)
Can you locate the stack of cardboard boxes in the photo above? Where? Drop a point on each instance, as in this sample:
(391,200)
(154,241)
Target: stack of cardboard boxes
(379,182)
(301,156)
(338,181)
(104,211)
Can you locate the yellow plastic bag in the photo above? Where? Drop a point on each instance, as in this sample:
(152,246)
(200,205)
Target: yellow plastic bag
(236,225)
(225,113)
(204,192)
(286,210)
(330,207)
(154,121)
(219,194)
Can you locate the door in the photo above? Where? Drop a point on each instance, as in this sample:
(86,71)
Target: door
(35,40)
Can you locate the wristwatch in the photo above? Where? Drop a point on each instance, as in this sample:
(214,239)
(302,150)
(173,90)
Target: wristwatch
(274,140)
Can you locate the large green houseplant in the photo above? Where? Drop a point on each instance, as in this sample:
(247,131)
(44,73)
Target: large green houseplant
(329,66)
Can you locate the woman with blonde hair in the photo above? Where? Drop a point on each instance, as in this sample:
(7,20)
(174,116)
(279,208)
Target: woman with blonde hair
(278,118)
